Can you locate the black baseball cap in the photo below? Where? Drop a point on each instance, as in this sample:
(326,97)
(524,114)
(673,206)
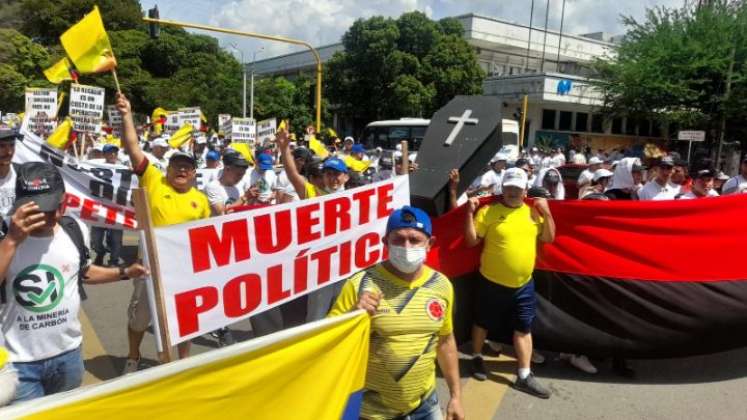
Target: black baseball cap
(41,183)
(8,135)
(179,155)
(666,161)
(235,159)
(302,153)
(706,173)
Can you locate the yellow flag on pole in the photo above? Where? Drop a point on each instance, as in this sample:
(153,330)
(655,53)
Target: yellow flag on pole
(356,165)
(181,136)
(60,71)
(318,147)
(157,119)
(245,150)
(88,46)
(61,135)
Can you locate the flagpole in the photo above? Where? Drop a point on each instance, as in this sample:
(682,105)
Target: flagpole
(116,80)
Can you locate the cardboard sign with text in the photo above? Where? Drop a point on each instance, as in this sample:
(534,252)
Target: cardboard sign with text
(228,268)
(243,130)
(41,110)
(86,107)
(266,130)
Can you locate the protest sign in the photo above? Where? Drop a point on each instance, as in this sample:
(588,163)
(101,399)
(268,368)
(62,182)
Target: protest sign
(172,122)
(98,194)
(115,120)
(192,116)
(224,122)
(266,130)
(243,130)
(224,269)
(41,110)
(86,107)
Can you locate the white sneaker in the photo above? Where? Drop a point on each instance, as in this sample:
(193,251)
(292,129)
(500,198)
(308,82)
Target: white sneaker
(537,357)
(495,347)
(583,364)
(130,366)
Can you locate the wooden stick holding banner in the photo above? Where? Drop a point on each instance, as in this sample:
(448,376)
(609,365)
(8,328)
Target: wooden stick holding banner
(405,158)
(143,215)
(116,80)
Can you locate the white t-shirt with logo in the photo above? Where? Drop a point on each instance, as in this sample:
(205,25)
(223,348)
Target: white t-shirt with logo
(265,181)
(7,193)
(653,191)
(40,317)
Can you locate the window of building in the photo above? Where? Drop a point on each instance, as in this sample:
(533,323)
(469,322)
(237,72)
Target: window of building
(582,122)
(630,126)
(566,120)
(617,125)
(548,119)
(644,128)
(656,129)
(597,123)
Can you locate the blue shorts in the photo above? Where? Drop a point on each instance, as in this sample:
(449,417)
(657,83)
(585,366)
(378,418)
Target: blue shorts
(503,309)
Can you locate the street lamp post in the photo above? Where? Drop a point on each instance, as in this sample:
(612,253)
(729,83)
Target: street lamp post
(251,94)
(243,67)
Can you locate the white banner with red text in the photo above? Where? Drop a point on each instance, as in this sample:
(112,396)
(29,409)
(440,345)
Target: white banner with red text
(218,271)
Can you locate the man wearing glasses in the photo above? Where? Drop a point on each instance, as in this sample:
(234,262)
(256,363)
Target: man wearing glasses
(661,187)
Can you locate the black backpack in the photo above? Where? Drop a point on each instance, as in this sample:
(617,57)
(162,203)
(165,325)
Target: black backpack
(72,229)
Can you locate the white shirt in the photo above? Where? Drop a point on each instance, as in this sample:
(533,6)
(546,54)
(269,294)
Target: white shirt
(40,318)
(7,193)
(218,193)
(579,159)
(653,191)
(585,178)
(160,164)
(735,185)
(557,160)
(691,195)
(284,185)
(265,181)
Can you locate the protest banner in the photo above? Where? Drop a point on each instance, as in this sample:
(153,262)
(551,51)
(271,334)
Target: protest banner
(115,120)
(172,122)
(228,268)
(98,194)
(266,130)
(243,130)
(326,361)
(86,107)
(192,116)
(224,122)
(41,109)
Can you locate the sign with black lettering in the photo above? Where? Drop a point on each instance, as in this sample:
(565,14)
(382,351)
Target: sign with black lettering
(86,107)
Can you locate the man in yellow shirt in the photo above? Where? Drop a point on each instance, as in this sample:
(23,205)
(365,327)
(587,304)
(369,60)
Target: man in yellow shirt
(411,306)
(509,230)
(173,199)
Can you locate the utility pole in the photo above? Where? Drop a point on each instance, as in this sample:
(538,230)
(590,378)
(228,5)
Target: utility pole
(251,95)
(560,37)
(529,42)
(544,41)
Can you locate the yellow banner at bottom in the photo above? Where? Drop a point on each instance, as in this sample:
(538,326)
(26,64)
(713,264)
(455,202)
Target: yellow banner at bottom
(307,372)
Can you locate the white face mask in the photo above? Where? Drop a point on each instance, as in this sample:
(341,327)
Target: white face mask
(406,260)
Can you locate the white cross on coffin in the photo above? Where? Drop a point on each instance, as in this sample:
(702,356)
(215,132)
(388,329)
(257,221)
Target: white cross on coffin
(460,121)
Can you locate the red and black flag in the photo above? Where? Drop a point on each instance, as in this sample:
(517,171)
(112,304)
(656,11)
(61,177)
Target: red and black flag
(629,278)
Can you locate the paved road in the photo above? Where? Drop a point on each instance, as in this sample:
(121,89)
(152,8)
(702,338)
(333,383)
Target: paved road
(708,387)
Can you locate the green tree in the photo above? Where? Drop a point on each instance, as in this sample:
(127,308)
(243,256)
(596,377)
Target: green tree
(278,97)
(21,64)
(675,66)
(391,68)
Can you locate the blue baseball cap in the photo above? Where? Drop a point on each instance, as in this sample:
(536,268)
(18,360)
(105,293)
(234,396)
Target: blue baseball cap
(212,155)
(358,148)
(265,161)
(109,148)
(335,164)
(409,217)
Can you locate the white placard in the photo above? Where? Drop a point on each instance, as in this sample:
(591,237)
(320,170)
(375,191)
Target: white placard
(172,122)
(266,130)
(691,135)
(243,130)
(86,107)
(191,115)
(224,122)
(115,120)
(41,110)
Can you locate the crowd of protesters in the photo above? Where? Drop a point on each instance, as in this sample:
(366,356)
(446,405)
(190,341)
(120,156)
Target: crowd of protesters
(284,170)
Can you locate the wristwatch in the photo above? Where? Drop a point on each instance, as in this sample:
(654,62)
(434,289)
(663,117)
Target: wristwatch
(122,274)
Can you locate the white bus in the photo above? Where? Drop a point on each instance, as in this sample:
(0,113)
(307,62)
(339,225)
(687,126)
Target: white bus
(388,134)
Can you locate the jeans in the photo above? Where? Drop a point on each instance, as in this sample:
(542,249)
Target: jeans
(429,409)
(49,376)
(113,240)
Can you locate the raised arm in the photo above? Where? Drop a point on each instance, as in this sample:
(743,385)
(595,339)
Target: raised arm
(129,135)
(470,233)
(296,179)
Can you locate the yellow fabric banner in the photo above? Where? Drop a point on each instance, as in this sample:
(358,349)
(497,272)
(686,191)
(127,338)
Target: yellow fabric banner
(60,71)
(318,147)
(307,372)
(355,164)
(245,151)
(88,46)
(61,135)
(181,136)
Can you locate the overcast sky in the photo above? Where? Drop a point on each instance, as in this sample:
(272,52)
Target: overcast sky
(323,22)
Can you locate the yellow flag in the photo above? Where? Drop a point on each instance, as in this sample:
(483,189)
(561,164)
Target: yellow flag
(60,71)
(155,119)
(61,135)
(355,164)
(87,44)
(318,147)
(112,139)
(245,151)
(181,136)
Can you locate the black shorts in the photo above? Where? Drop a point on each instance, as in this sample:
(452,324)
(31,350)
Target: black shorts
(503,309)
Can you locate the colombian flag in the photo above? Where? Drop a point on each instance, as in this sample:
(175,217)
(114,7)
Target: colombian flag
(61,135)
(61,71)
(314,371)
(88,46)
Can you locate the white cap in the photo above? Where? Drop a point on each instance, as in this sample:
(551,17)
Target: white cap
(99,147)
(498,157)
(595,161)
(348,138)
(201,139)
(159,142)
(515,177)
(601,173)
